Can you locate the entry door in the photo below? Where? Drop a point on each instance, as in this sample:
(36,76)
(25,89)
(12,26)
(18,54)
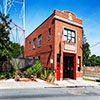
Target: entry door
(68,70)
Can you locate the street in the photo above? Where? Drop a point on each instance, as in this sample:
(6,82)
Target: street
(80,93)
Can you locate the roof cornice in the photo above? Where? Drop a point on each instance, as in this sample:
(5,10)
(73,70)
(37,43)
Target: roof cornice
(67,21)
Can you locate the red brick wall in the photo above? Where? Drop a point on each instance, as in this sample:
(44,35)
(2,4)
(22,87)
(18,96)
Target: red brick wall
(44,50)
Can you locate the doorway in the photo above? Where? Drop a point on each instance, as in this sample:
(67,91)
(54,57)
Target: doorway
(68,67)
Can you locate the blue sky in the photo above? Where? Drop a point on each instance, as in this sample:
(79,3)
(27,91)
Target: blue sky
(87,10)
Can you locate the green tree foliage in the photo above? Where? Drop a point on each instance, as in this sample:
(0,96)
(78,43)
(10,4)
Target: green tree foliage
(86,51)
(86,54)
(98,60)
(5,44)
(17,50)
(94,60)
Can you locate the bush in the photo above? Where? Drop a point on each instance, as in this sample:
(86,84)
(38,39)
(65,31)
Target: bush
(37,67)
(49,71)
(43,76)
(18,73)
(30,70)
(27,74)
(2,75)
(15,68)
(10,75)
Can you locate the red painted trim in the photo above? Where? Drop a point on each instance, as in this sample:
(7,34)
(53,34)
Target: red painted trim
(58,72)
(75,62)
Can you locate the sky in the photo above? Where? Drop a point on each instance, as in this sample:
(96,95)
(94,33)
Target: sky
(36,11)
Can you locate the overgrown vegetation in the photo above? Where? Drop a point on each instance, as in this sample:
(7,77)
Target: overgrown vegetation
(5,44)
(47,73)
(36,68)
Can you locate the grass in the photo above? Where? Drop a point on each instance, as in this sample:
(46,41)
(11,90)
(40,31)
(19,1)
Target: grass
(91,75)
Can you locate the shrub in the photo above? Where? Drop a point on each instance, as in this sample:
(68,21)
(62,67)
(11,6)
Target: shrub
(19,73)
(15,68)
(2,75)
(30,70)
(43,76)
(10,75)
(37,67)
(27,74)
(49,71)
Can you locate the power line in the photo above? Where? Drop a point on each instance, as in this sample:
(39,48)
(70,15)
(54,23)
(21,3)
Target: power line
(95,44)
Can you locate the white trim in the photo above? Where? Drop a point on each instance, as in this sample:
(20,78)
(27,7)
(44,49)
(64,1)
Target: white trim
(79,78)
(75,43)
(79,71)
(68,21)
(61,79)
(69,51)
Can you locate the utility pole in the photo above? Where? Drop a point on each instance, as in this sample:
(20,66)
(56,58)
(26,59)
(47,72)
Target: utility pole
(5,4)
(24,20)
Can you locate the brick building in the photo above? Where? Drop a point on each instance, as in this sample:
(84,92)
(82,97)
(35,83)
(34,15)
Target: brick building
(57,43)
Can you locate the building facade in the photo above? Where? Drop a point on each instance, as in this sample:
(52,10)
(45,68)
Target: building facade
(57,43)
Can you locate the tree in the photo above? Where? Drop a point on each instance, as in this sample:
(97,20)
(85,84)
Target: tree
(98,60)
(92,60)
(17,50)
(86,52)
(5,44)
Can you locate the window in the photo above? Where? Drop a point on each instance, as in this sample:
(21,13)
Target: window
(58,58)
(49,34)
(39,41)
(34,43)
(79,63)
(39,57)
(69,36)
(30,45)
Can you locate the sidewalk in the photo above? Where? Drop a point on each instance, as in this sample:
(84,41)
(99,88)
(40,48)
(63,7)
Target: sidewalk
(76,83)
(12,84)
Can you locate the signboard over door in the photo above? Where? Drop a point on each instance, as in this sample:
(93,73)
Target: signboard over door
(69,47)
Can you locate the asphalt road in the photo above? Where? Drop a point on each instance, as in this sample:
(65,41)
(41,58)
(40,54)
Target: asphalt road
(82,93)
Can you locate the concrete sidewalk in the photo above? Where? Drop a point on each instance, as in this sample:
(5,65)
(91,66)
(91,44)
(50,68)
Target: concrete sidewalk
(76,83)
(12,84)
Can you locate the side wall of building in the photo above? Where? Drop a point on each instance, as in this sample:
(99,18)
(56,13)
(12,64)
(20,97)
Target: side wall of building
(45,51)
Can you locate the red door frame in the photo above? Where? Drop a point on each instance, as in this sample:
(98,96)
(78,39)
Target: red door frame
(75,62)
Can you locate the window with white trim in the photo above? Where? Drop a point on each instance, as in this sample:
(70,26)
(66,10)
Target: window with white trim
(69,36)
(79,63)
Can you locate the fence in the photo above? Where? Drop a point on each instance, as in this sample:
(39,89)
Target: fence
(22,63)
(91,70)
